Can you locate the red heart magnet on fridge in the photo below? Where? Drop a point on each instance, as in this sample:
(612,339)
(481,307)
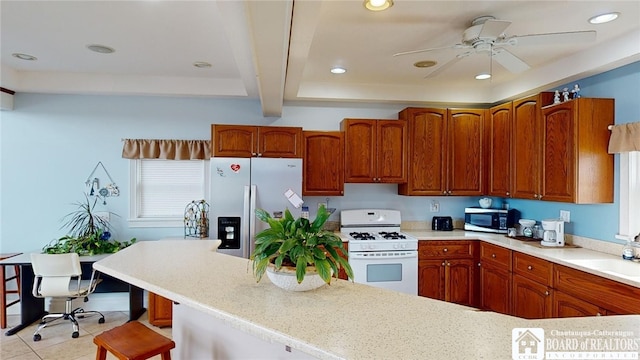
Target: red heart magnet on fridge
(235,167)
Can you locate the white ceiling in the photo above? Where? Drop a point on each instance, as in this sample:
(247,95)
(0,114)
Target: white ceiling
(282,50)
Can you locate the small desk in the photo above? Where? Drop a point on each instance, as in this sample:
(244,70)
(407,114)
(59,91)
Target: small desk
(32,308)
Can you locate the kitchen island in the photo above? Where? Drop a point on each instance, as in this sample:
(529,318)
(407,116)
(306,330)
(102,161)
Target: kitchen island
(341,321)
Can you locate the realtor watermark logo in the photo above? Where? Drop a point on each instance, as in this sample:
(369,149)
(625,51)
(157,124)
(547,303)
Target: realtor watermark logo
(527,343)
(532,344)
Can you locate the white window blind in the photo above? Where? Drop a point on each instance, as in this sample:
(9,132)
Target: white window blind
(161,189)
(629,195)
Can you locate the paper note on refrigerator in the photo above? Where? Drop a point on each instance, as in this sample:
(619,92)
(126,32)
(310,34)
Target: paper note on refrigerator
(293,198)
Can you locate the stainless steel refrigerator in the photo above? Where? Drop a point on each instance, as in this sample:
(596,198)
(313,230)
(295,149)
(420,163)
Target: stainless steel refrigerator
(239,186)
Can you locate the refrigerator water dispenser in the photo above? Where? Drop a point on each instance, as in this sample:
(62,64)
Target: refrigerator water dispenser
(229,232)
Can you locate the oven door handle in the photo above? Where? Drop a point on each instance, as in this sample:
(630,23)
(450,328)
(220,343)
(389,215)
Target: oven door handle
(382,255)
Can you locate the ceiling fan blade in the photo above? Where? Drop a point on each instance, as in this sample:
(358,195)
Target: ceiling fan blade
(560,37)
(442,68)
(425,50)
(509,61)
(493,28)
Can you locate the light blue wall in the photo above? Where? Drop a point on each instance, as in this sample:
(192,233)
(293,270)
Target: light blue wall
(50,143)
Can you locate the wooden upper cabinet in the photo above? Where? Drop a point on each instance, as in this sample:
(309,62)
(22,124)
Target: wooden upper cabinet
(525,148)
(256,141)
(466,165)
(375,150)
(323,165)
(427,153)
(499,150)
(575,164)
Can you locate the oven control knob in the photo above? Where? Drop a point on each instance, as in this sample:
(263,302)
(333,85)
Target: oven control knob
(395,246)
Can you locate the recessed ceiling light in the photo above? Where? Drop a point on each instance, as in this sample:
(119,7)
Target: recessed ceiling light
(483,76)
(100,49)
(24,56)
(201,64)
(604,18)
(338,70)
(425,63)
(378,5)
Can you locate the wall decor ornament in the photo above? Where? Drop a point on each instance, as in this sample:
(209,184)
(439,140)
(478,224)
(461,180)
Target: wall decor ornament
(196,219)
(94,188)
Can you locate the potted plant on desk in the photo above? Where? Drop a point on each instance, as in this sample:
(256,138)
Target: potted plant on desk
(89,233)
(298,254)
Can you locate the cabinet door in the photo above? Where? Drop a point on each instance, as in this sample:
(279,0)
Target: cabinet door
(323,164)
(359,150)
(426,151)
(234,140)
(160,310)
(495,289)
(465,145)
(280,142)
(391,158)
(531,300)
(568,306)
(460,284)
(499,150)
(558,157)
(525,148)
(431,279)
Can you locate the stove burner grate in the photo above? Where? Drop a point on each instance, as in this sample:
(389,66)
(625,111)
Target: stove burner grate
(392,235)
(362,236)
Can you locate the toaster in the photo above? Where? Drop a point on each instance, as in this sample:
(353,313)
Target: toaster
(442,223)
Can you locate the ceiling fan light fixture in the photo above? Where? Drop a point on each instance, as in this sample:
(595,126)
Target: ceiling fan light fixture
(22,56)
(604,18)
(483,76)
(338,70)
(378,5)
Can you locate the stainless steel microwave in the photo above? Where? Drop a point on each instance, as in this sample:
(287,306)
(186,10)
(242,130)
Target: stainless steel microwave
(489,220)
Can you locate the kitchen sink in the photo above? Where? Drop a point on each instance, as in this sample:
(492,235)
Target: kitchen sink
(612,266)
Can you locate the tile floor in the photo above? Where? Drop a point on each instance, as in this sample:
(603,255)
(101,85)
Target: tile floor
(56,340)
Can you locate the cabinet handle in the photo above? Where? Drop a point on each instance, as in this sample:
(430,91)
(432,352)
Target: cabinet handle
(479,264)
(546,292)
(493,256)
(540,197)
(254,154)
(598,314)
(445,249)
(508,193)
(445,192)
(449,192)
(530,267)
(443,263)
(448,264)
(259,154)
(535,196)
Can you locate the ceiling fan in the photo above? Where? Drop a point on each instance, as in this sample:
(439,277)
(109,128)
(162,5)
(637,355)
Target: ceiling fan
(486,35)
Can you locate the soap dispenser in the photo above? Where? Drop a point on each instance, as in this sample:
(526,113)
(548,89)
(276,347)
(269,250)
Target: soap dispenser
(627,251)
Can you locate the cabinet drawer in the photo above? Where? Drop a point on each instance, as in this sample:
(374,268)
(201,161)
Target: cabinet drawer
(533,268)
(608,294)
(445,249)
(495,255)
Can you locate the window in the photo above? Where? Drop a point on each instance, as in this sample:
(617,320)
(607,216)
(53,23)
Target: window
(161,189)
(629,195)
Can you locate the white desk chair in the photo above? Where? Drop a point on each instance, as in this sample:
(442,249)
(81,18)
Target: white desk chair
(60,275)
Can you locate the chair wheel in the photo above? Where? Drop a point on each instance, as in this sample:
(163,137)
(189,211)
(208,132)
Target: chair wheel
(101,321)
(75,334)
(37,337)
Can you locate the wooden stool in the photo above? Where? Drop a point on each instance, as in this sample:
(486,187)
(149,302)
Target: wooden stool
(133,341)
(3,289)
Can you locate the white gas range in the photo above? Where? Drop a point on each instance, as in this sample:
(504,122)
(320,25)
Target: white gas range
(379,253)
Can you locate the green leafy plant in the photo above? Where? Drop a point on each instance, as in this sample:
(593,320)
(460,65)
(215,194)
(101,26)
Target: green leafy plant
(299,243)
(89,234)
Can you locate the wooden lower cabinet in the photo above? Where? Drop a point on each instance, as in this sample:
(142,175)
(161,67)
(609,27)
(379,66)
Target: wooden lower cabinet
(569,306)
(531,299)
(495,289)
(160,310)
(446,271)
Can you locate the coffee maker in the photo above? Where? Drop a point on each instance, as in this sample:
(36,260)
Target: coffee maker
(553,232)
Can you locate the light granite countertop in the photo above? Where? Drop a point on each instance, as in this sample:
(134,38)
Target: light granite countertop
(341,321)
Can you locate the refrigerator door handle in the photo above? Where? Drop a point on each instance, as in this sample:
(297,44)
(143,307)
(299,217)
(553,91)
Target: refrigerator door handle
(245,221)
(252,220)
